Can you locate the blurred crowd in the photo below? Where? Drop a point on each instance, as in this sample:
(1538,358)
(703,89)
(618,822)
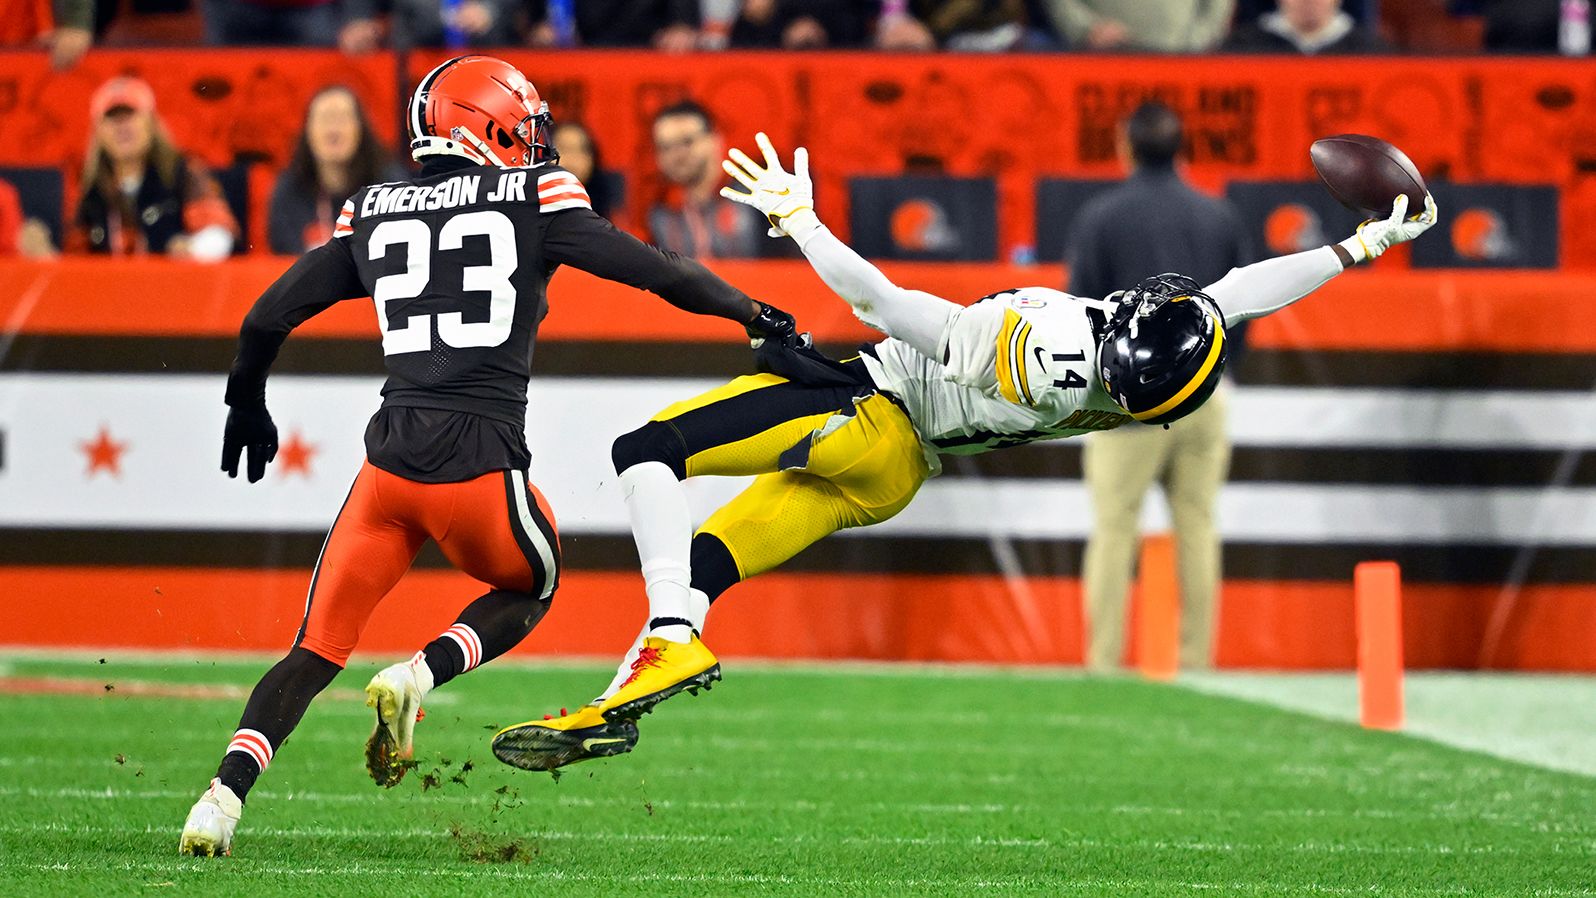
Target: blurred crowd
(139,193)
(69,27)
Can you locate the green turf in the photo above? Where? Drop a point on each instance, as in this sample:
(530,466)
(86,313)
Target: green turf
(798,781)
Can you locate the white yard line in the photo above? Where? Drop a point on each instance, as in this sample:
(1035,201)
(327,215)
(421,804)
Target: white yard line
(843,803)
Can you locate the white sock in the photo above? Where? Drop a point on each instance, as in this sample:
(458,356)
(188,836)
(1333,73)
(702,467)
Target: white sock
(625,670)
(698,603)
(662,526)
(697,609)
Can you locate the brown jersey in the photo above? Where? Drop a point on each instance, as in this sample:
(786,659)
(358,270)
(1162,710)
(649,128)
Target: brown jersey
(457,262)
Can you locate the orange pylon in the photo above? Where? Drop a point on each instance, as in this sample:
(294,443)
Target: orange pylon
(1377,597)
(1158,610)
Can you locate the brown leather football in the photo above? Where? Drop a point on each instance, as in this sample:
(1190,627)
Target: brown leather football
(1366,174)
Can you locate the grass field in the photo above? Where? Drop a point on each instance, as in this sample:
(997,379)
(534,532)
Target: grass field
(783,781)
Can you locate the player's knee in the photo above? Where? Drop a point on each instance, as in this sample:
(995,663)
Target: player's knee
(312,660)
(654,441)
(714,568)
(315,647)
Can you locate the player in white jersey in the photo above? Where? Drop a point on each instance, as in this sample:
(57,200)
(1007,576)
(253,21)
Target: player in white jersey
(837,445)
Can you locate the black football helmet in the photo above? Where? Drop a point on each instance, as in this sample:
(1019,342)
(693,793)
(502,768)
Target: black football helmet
(1163,349)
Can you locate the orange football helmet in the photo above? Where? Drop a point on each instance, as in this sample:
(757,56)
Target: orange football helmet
(481,108)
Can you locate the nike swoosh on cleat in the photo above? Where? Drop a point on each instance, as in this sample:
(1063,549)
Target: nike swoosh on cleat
(588,744)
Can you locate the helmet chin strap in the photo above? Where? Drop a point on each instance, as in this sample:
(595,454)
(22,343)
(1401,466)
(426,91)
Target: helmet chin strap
(461,142)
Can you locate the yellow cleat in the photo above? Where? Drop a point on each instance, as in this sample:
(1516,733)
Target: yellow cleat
(554,742)
(662,669)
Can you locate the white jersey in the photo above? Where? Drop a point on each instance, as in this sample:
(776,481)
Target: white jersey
(1021,366)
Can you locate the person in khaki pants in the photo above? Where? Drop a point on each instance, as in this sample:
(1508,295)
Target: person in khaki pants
(1154,222)
(1190,461)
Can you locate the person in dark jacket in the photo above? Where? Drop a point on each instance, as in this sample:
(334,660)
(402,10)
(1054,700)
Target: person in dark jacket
(141,194)
(1155,223)
(693,219)
(1308,27)
(337,154)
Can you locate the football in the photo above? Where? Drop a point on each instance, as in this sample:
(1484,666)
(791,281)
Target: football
(1366,174)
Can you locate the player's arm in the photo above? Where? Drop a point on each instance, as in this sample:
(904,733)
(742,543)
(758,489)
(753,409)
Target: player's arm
(319,279)
(579,237)
(1253,291)
(913,316)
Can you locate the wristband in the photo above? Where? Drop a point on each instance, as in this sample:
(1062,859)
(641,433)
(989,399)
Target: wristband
(1356,248)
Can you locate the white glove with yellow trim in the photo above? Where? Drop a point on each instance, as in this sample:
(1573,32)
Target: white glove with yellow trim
(788,200)
(1378,235)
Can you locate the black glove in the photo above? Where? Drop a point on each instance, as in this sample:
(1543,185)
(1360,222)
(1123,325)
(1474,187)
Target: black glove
(772,324)
(249,426)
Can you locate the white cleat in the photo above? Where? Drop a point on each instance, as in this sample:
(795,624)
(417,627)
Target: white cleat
(209,830)
(396,695)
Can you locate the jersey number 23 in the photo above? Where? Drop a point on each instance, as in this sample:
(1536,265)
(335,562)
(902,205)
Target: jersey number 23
(415,334)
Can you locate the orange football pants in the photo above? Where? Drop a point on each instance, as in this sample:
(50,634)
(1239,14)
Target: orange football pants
(496,528)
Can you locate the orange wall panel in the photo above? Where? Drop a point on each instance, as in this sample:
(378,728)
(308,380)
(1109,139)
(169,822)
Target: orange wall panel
(1376,309)
(955,618)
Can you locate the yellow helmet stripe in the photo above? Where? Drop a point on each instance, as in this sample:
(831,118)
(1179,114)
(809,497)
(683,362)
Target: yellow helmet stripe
(1197,379)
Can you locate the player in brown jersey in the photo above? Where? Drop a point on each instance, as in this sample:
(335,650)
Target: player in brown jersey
(457,261)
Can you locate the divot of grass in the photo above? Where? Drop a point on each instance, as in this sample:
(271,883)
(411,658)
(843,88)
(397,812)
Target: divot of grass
(488,848)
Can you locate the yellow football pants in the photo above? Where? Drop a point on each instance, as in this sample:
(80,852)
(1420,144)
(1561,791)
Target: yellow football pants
(825,459)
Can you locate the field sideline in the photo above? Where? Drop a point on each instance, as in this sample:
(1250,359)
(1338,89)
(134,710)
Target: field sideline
(786,780)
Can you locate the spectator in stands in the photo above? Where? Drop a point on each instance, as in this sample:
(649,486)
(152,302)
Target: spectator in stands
(1309,27)
(141,194)
(65,27)
(1163,26)
(702,223)
(580,156)
(19,234)
(801,24)
(337,154)
(898,29)
(1521,26)
(303,23)
(980,26)
(1154,223)
(439,23)
(669,25)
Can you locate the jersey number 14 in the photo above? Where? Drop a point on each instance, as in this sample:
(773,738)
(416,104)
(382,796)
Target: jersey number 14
(415,335)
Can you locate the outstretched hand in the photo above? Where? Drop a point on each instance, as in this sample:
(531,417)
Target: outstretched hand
(781,195)
(1376,236)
